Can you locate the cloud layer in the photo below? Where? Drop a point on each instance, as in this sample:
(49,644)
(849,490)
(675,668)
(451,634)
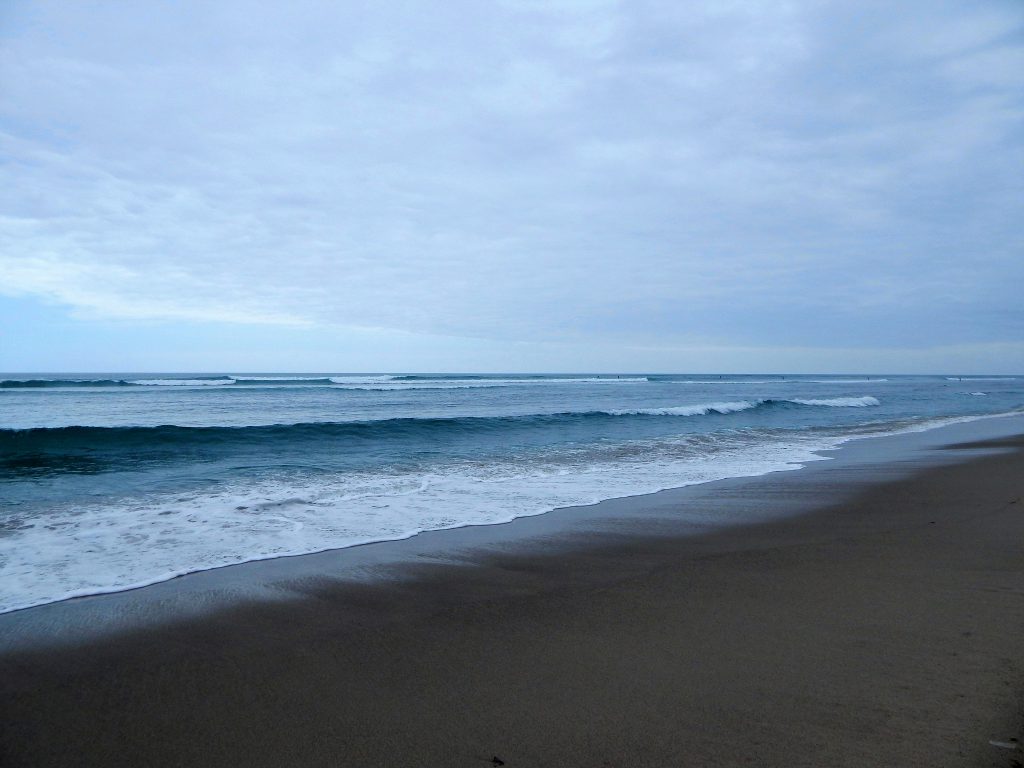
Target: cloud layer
(647,173)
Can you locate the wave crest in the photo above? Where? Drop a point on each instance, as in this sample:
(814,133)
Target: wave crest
(38,439)
(839,402)
(690,410)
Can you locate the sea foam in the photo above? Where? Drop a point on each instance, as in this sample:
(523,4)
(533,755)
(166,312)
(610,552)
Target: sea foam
(94,547)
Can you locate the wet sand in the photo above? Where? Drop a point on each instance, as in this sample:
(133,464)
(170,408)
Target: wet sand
(883,625)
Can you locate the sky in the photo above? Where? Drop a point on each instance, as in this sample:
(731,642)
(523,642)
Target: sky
(517,185)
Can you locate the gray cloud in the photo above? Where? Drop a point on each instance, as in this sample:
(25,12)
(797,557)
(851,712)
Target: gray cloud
(787,174)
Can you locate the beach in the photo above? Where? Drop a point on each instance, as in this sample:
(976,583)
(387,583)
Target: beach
(873,616)
(512,384)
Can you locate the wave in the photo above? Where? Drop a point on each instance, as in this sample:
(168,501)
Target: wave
(521,378)
(510,380)
(713,382)
(840,402)
(264,381)
(982,378)
(840,381)
(691,410)
(376,382)
(41,383)
(434,378)
(197,381)
(745,405)
(201,382)
(421,385)
(168,436)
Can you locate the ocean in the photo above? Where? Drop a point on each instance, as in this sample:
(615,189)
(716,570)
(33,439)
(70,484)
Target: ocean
(113,481)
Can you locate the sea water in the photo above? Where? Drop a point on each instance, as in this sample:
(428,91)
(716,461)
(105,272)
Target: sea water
(112,481)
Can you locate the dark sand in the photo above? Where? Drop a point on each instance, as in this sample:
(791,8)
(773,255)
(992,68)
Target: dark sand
(883,629)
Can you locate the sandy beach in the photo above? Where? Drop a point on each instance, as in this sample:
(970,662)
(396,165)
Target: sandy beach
(512,384)
(882,625)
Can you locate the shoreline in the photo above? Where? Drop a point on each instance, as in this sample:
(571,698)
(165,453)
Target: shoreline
(794,454)
(191,593)
(54,574)
(867,612)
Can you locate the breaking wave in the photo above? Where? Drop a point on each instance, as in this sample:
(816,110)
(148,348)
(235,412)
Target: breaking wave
(168,436)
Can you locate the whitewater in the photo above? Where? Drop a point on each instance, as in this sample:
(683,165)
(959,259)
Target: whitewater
(116,480)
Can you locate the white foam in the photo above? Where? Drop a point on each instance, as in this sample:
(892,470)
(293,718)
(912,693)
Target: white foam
(725,381)
(840,402)
(279,378)
(690,410)
(384,382)
(359,379)
(393,384)
(182,382)
(703,409)
(775,381)
(96,548)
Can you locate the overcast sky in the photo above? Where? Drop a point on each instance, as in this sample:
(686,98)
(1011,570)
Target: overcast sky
(527,185)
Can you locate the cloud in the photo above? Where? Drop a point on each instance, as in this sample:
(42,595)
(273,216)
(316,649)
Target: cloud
(788,174)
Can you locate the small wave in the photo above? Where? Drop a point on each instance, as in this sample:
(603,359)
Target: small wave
(714,382)
(706,409)
(521,379)
(424,383)
(413,377)
(424,386)
(218,382)
(381,382)
(719,381)
(840,381)
(840,402)
(282,380)
(978,394)
(981,378)
(690,410)
(42,383)
(360,379)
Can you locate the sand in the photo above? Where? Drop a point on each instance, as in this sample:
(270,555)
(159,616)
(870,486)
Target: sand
(883,627)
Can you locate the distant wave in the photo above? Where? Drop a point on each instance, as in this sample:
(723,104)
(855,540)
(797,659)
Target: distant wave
(65,383)
(840,402)
(466,377)
(519,377)
(202,382)
(264,381)
(40,383)
(716,381)
(768,381)
(690,410)
(506,380)
(380,382)
(745,405)
(981,378)
(423,383)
